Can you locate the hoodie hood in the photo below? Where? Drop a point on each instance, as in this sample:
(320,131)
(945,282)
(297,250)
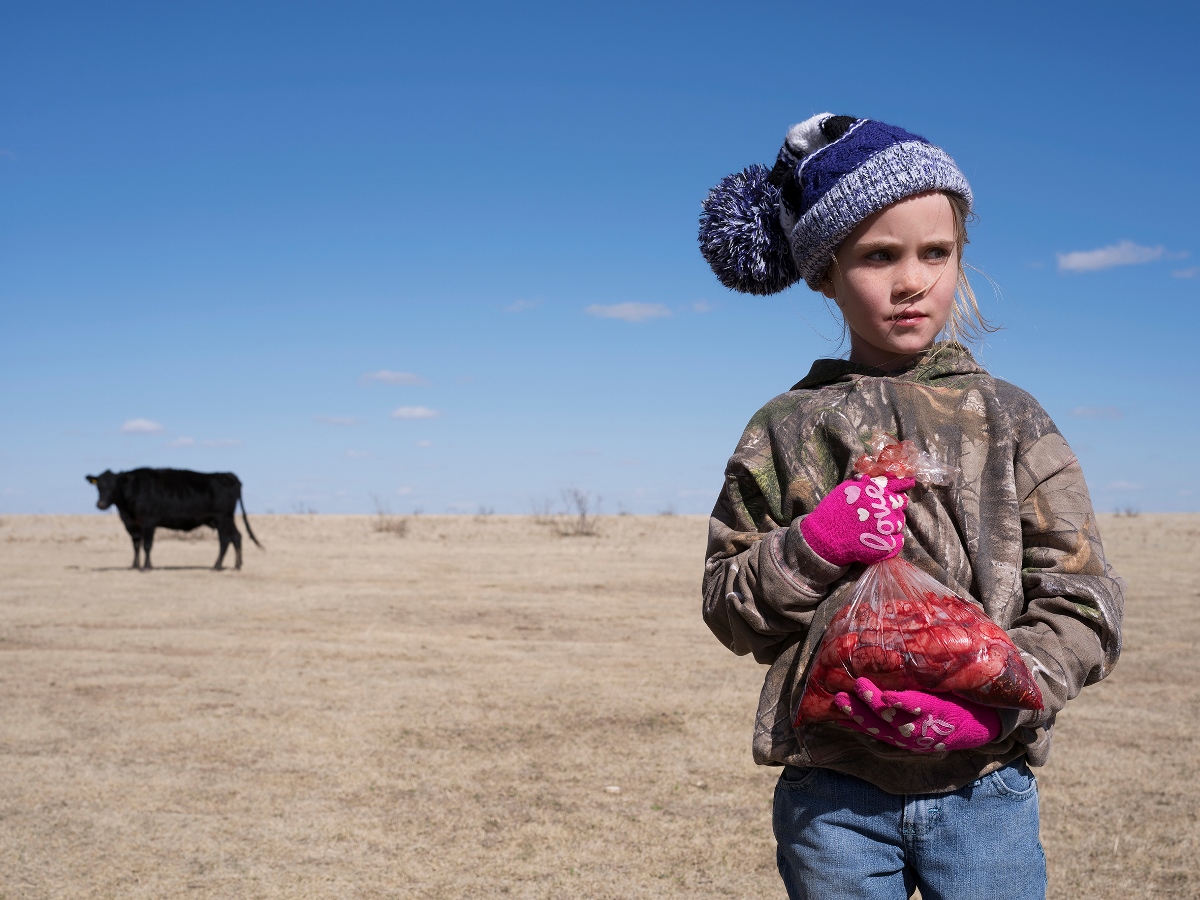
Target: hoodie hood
(943,359)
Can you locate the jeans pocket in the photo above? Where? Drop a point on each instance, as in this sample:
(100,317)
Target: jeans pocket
(796,778)
(1014,781)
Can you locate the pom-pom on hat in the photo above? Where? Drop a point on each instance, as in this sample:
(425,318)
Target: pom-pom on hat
(763,230)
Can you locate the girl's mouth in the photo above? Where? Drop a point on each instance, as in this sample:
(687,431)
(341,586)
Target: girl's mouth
(909,317)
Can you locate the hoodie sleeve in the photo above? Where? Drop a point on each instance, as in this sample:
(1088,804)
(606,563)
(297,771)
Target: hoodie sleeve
(762,582)
(1070,630)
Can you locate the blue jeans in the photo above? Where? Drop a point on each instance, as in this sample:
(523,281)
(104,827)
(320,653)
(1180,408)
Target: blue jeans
(840,837)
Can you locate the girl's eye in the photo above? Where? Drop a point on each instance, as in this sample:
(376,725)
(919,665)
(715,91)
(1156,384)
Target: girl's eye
(879,256)
(937,253)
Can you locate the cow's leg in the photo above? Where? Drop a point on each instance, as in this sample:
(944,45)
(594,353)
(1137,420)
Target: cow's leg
(237,546)
(135,534)
(147,540)
(224,537)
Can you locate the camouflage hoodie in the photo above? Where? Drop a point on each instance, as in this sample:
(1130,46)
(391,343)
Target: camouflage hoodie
(1016,534)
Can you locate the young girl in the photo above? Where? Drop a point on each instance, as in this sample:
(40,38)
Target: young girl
(873,217)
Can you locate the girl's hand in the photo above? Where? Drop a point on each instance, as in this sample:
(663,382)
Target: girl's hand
(861,520)
(925,723)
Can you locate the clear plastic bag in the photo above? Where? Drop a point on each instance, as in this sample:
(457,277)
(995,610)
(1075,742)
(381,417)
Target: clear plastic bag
(902,459)
(905,631)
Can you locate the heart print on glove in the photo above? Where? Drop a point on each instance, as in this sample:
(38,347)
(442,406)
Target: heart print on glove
(915,720)
(861,520)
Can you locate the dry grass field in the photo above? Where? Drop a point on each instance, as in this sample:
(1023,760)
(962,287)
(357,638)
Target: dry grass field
(480,708)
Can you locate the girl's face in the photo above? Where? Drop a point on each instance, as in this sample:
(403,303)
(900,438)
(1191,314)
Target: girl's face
(894,279)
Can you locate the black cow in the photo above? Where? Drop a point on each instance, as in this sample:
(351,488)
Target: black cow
(174,498)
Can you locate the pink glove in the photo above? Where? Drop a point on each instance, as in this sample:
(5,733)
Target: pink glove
(861,520)
(926,723)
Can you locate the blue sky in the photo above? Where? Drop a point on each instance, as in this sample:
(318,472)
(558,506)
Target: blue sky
(446,257)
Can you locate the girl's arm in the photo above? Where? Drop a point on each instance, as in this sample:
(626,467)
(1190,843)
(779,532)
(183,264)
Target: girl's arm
(1070,630)
(762,581)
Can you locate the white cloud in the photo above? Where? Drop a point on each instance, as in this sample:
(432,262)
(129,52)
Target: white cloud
(182,442)
(338,420)
(1187,273)
(414,412)
(1097,412)
(703,306)
(141,426)
(404,491)
(1123,253)
(629,312)
(223,442)
(387,376)
(424,444)
(521,306)
(1126,486)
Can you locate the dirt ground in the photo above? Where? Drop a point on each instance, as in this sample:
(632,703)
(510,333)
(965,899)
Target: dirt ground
(480,708)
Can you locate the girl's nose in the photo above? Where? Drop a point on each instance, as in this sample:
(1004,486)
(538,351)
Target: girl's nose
(910,281)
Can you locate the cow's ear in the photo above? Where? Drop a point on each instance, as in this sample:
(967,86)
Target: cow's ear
(91,479)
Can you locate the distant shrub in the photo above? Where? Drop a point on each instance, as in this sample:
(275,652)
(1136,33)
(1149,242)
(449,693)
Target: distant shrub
(580,517)
(576,518)
(543,514)
(385,522)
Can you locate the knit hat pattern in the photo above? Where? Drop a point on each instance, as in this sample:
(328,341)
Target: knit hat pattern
(763,231)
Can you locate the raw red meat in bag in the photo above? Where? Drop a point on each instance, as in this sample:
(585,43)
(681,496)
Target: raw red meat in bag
(905,631)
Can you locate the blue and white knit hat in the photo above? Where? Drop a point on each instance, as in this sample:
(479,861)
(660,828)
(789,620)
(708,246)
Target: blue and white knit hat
(763,230)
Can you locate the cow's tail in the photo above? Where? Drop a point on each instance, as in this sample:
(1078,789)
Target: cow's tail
(246,522)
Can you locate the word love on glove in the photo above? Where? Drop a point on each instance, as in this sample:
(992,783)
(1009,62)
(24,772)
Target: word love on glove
(917,721)
(860,520)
